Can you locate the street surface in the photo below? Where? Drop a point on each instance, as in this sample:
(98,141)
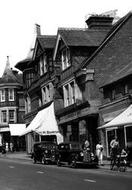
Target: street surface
(24,175)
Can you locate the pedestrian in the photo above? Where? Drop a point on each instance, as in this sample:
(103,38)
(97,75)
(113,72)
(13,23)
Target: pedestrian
(86,151)
(86,144)
(99,153)
(114,147)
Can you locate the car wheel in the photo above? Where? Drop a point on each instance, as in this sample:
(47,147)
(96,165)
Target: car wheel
(43,160)
(58,163)
(73,164)
(34,160)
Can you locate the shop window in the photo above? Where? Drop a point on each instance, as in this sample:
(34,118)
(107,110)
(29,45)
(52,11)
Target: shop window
(110,135)
(129,136)
(75,134)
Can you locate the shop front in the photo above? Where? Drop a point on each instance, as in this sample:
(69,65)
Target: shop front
(79,124)
(9,137)
(120,127)
(43,127)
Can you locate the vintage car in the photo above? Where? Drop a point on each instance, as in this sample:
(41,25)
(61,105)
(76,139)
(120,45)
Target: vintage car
(2,149)
(74,155)
(44,152)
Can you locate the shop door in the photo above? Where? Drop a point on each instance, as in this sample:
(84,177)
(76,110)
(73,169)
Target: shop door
(110,134)
(121,137)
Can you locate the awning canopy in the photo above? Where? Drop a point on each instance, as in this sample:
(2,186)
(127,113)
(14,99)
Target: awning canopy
(125,118)
(44,123)
(17,129)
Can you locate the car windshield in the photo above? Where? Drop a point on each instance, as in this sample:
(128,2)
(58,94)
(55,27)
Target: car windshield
(45,146)
(69,146)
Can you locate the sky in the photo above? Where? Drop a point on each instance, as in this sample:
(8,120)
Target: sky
(18,19)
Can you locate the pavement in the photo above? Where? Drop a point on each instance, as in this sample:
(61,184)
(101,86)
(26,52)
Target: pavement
(27,157)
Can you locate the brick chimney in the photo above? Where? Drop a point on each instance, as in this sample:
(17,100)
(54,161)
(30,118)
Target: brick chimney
(99,21)
(37,29)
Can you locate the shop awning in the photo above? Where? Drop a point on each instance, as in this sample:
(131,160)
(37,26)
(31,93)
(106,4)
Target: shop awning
(17,129)
(125,118)
(44,123)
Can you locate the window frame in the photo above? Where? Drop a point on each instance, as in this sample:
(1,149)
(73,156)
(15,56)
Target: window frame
(69,93)
(11,94)
(65,58)
(12,120)
(43,65)
(2,95)
(4,116)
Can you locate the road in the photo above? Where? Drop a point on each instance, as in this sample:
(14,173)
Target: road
(22,175)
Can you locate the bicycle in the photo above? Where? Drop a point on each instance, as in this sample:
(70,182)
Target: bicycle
(119,162)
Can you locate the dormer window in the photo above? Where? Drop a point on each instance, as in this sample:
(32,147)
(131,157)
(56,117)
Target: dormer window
(65,59)
(11,94)
(43,65)
(2,95)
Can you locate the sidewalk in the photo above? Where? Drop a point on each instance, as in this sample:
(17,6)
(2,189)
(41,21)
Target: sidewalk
(25,156)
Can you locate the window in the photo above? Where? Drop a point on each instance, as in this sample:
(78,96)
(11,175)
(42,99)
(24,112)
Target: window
(43,65)
(2,95)
(44,95)
(69,93)
(65,59)
(29,78)
(11,116)
(4,116)
(72,89)
(66,95)
(46,92)
(11,94)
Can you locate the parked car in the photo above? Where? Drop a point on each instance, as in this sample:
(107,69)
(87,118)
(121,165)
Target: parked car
(73,155)
(2,149)
(44,152)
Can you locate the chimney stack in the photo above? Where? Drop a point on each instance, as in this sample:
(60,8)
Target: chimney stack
(37,29)
(99,21)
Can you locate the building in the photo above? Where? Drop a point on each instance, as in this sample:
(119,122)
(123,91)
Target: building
(51,74)
(113,74)
(12,107)
(39,83)
(78,114)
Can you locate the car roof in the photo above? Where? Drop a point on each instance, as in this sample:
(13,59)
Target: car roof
(44,142)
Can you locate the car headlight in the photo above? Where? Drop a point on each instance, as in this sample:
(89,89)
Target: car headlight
(81,154)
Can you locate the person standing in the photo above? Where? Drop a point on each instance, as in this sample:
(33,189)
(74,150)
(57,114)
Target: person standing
(99,153)
(114,146)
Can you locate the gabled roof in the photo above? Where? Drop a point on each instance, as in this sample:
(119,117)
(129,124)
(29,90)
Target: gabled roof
(112,61)
(42,43)
(47,41)
(80,37)
(83,37)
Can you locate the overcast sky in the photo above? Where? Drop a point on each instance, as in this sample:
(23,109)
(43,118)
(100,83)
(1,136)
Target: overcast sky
(18,18)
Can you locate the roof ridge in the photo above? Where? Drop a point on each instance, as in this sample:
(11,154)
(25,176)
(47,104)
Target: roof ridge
(72,28)
(46,36)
